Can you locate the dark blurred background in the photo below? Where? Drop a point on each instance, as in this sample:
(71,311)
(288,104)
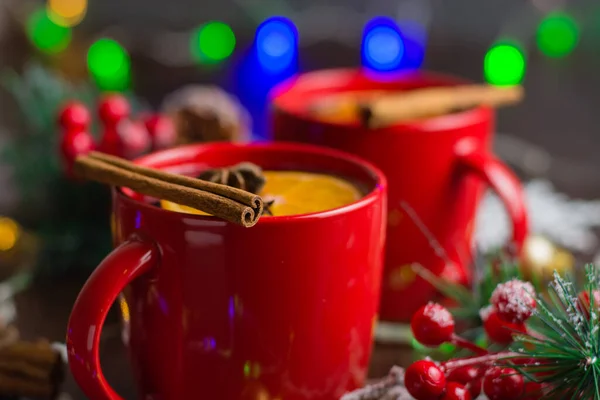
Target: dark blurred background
(560,61)
(453,35)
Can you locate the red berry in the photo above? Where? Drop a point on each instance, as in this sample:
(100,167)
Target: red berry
(503,384)
(162,131)
(73,144)
(475,387)
(111,142)
(463,374)
(514,300)
(469,376)
(499,330)
(424,380)
(74,116)
(432,325)
(113,108)
(456,391)
(533,391)
(134,138)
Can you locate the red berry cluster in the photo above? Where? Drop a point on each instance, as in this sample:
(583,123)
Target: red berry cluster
(121,135)
(512,303)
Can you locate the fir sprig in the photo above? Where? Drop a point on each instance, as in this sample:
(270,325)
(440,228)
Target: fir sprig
(70,218)
(490,271)
(564,340)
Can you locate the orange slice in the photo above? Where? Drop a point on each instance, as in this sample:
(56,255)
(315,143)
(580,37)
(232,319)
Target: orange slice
(169,205)
(296,192)
(306,192)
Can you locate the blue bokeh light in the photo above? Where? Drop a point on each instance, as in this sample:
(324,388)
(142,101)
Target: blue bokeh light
(276,44)
(251,83)
(382,46)
(414,36)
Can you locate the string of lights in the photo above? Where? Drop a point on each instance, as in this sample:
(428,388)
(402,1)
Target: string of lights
(387,44)
(556,36)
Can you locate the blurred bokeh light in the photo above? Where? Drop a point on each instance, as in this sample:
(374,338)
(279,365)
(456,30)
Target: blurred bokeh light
(109,64)
(414,36)
(557,35)
(67,12)
(276,44)
(9,233)
(45,34)
(382,45)
(504,65)
(213,42)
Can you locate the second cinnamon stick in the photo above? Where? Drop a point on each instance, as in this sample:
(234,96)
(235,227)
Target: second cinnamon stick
(429,102)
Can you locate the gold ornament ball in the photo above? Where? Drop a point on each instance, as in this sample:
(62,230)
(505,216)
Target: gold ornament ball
(541,257)
(9,234)
(18,248)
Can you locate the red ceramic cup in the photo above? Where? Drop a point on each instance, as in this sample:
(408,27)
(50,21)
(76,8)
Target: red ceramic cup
(437,170)
(212,310)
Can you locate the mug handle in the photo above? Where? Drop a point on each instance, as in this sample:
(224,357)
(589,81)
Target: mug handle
(124,264)
(503,181)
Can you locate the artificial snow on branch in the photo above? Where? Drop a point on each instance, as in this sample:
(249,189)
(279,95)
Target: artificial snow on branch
(563,220)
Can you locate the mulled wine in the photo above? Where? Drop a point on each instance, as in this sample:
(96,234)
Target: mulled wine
(296,192)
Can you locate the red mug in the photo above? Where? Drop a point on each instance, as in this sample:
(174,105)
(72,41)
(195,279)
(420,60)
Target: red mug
(212,310)
(437,169)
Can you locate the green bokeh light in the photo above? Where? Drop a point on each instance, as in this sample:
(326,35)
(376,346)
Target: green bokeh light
(45,34)
(117,83)
(504,65)
(557,35)
(109,65)
(212,42)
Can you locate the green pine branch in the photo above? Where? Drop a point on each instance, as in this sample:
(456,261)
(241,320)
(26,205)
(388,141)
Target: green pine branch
(33,154)
(489,271)
(71,219)
(564,340)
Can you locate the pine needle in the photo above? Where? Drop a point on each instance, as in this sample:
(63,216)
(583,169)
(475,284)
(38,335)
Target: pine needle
(68,218)
(564,337)
(490,271)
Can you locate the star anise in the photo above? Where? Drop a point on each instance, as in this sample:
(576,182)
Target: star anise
(246,176)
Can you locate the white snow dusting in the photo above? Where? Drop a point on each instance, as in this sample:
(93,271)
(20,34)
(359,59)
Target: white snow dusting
(566,221)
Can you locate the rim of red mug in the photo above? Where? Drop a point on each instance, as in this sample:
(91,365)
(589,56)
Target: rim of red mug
(438,123)
(378,179)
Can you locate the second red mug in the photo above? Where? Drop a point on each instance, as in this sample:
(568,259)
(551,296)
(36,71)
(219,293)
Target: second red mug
(437,170)
(283,310)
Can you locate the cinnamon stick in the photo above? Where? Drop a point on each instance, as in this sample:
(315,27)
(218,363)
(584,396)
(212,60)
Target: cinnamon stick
(428,102)
(40,354)
(344,106)
(231,204)
(31,369)
(381,108)
(23,387)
